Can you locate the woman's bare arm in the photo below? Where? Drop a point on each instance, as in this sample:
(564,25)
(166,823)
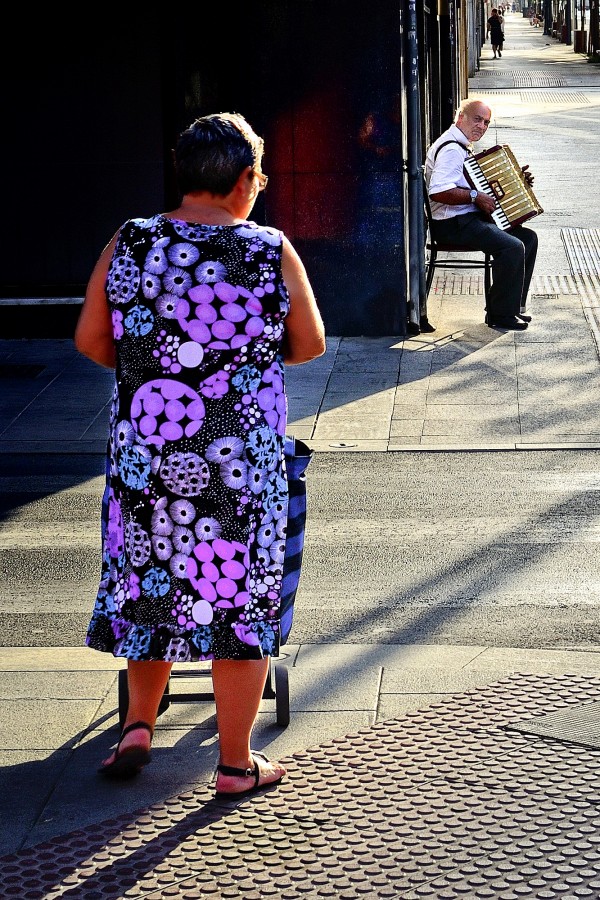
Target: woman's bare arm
(94,332)
(304,329)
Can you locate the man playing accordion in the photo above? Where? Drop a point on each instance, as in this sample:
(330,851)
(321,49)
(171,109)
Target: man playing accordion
(462,217)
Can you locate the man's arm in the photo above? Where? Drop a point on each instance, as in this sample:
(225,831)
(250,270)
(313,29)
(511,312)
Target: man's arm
(459,196)
(447,171)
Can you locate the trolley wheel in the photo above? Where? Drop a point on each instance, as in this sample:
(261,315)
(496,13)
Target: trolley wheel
(124,698)
(282,696)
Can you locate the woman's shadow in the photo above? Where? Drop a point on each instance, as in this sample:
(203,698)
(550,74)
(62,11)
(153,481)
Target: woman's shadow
(60,813)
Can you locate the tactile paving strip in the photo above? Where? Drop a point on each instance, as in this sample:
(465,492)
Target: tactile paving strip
(536,78)
(456,283)
(443,802)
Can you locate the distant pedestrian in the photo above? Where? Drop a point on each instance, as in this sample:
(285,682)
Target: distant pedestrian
(495,33)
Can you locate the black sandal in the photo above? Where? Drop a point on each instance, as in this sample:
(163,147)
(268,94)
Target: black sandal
(254,772)
(128,763)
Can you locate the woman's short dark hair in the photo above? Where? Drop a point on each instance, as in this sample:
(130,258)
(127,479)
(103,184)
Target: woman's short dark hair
(212,152)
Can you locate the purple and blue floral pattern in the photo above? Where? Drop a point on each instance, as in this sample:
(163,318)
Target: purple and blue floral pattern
(195,507)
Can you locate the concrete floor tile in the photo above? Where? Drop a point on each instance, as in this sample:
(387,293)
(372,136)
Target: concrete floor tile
(52,686)
(41,724)
(303,432)
(405,444)
(362,384)
(406,428)
(340,691)
(352,428)
(306,422)
(353,657)
(453,443)
(493,430)
(348,445)
(380,403)
(409,411)
(57,659)
(464,414)
(439,680)
(550,661)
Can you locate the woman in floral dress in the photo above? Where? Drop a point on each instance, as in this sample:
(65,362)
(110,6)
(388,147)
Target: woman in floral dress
(197,310)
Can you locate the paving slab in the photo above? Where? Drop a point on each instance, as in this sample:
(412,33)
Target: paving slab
(445,801)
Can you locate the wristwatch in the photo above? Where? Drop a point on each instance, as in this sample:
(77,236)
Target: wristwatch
(473,194)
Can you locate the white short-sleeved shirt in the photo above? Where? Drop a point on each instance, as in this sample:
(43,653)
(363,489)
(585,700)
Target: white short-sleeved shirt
(445,172)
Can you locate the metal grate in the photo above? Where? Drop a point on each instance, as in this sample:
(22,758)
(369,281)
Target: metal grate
(554,97)
(536,78)
(554,285)
(20,370)
(580,725)
(454,284)
(582,246)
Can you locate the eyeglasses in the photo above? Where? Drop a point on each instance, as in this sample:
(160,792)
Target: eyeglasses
(263,180)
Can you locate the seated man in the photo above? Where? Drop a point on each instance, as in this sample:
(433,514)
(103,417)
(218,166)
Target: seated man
(462,216)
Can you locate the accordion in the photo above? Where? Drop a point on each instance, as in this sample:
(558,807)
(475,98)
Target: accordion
(497,173)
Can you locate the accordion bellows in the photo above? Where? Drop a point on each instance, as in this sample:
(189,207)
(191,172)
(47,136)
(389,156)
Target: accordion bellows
(497,173)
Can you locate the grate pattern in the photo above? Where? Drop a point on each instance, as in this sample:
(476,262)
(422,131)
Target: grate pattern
(577,97)
(444,802)
(451,283)
(529,78)
(578,725)
(540,96)
(582,246)
(455,284)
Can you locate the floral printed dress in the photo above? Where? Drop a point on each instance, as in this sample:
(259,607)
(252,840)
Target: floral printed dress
(195,506)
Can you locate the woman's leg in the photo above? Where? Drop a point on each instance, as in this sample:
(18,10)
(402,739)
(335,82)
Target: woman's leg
(238,686)
(146,682)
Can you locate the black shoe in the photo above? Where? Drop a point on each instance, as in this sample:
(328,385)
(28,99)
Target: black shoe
(523,317)
(128,763)
(509,322)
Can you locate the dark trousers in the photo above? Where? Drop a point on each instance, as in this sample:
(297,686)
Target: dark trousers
(513,255)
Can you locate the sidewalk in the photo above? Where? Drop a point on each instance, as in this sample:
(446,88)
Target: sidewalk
(412,771)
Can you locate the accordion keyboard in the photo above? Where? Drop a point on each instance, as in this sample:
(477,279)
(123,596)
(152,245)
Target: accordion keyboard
(496,173)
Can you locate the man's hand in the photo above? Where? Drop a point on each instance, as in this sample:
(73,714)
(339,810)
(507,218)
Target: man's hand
(527,175)
(485,203)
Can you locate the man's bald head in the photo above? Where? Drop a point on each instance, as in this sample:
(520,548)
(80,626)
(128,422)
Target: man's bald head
(473,118)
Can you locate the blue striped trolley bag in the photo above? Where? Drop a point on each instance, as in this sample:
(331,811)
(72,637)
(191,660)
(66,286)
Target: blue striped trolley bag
(297,459)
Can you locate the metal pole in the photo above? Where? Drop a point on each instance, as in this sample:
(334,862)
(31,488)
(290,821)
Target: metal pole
(568,23)
(416,225)
(547,17)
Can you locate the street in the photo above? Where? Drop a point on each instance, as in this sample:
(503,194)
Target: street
(490,548)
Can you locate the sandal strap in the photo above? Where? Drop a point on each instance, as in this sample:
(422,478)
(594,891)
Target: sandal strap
(244,773)
(132,727)
(236,772)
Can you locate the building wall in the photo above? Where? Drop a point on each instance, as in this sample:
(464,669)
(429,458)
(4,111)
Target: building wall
(82,149)
(323,86)
(94,114)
